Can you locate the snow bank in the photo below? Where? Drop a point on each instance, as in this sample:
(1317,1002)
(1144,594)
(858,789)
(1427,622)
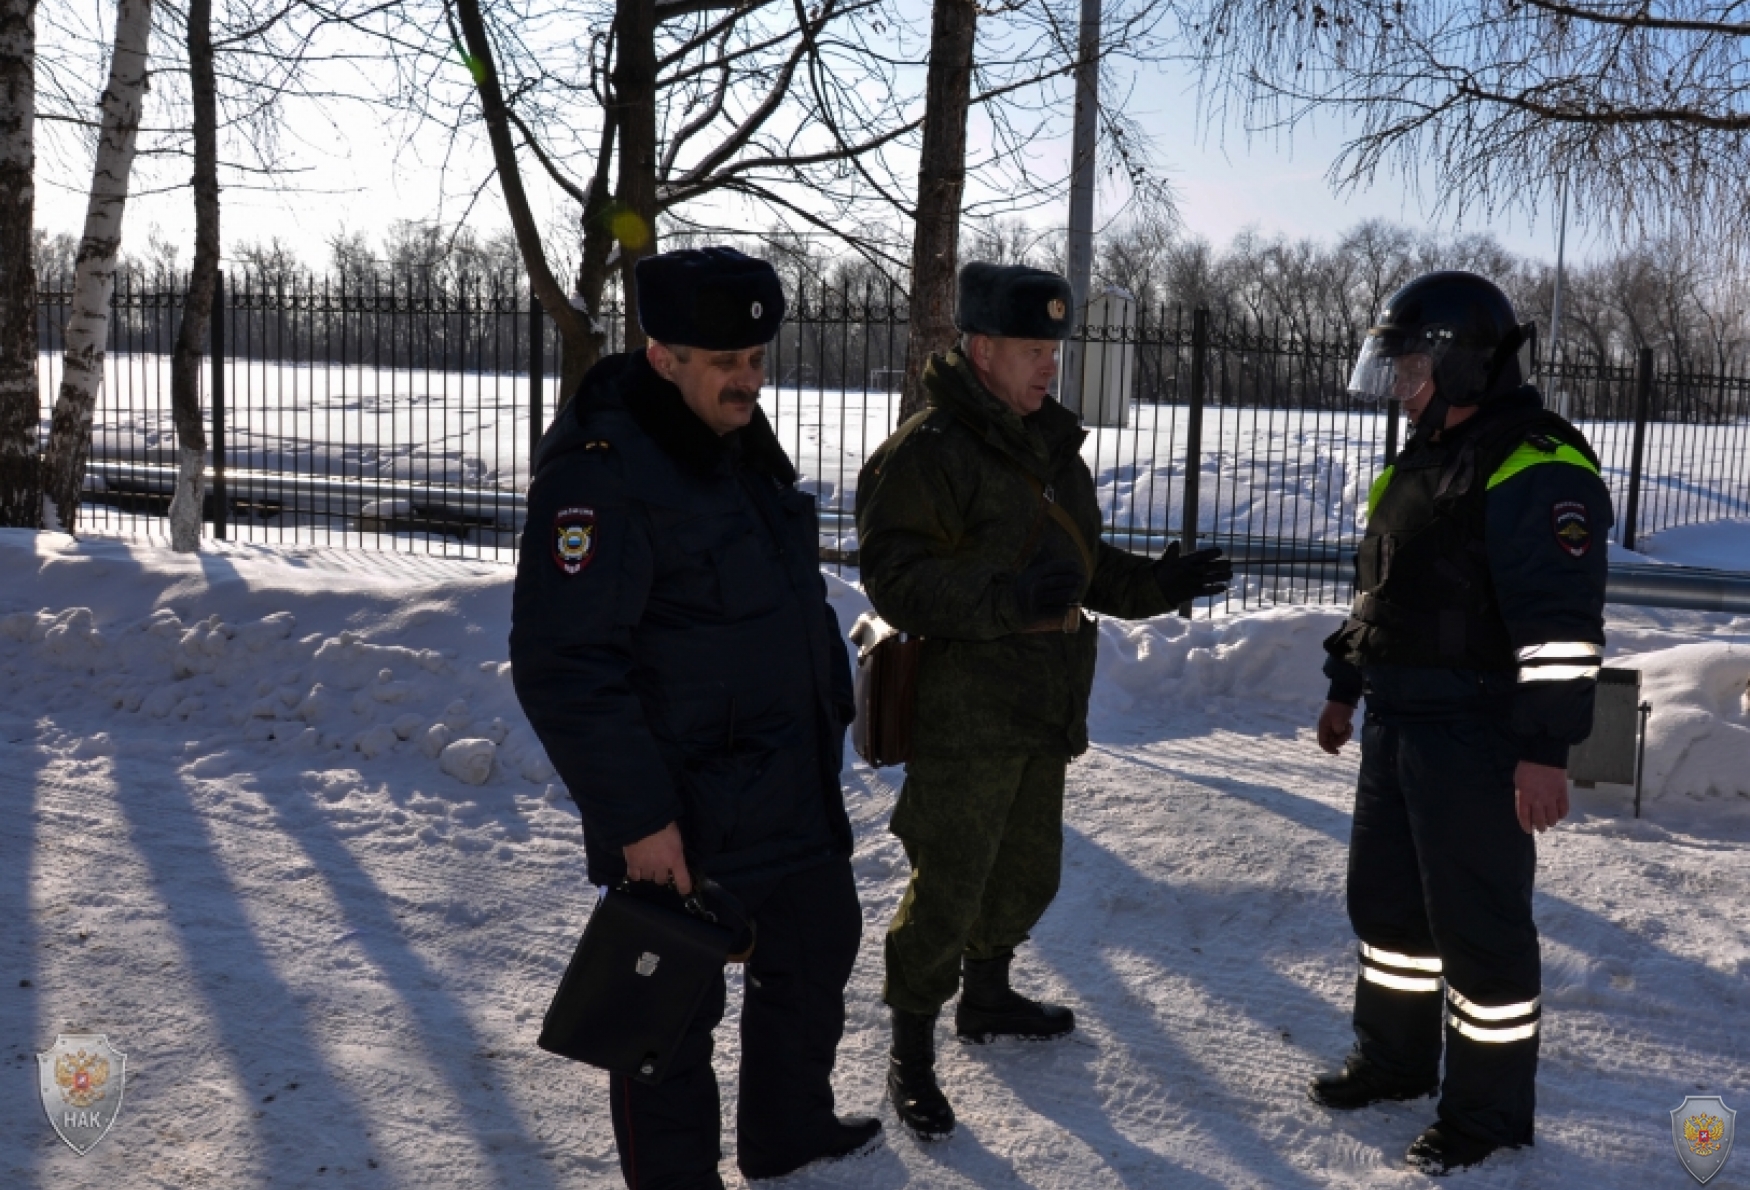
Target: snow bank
(272,654)
(1167,662)
(1715,545)
(391,661)
(1698,737)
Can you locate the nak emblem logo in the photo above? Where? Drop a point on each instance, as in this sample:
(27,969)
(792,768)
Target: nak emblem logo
(82,1078)
(1701,1128)
(647,963)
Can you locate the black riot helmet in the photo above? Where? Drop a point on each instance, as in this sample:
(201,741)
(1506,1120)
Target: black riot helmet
(1455,328)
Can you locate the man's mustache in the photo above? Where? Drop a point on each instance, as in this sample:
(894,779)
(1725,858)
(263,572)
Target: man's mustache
(735,396)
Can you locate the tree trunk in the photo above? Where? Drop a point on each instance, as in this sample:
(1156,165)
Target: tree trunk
(592,285)
(575,333)
(634,217)
(20,408)
(592,269)
(197,307)
(87,331)
(935,246)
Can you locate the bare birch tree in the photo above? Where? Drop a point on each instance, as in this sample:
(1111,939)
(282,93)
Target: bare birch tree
(94,279)
(20,406)
(223,82)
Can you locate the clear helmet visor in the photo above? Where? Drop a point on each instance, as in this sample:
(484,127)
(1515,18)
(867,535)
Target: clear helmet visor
(1385,371)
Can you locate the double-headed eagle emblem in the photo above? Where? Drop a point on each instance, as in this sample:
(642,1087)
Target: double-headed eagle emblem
(1701,1128)
(1702,1134)
(81,1077)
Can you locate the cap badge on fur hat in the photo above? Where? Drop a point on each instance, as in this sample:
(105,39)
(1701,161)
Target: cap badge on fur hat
(1012,301)
(716,299)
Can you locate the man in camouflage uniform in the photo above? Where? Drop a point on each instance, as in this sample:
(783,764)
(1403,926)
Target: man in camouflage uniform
(980,532)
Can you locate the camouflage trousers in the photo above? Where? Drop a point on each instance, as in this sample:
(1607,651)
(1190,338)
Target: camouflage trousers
(985,839)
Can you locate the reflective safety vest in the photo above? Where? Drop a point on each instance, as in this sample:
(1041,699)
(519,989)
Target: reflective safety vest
(1424,594)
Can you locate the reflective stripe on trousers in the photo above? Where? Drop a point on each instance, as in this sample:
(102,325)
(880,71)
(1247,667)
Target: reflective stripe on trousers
(1493,1024)
(1400,972)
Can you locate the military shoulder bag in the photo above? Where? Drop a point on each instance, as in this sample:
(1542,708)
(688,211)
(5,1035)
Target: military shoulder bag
(886,691)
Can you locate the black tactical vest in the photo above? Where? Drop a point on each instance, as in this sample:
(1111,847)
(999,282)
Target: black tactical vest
(1424,595)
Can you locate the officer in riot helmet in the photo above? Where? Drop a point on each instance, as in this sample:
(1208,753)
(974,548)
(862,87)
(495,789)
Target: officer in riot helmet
(1475,637)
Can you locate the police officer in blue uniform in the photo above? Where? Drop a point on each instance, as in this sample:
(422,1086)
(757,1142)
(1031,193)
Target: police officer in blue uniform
(1475,638)
(673,649)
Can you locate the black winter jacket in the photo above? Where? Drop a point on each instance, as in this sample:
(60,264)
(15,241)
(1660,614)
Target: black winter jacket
(1536,556)
(670,640)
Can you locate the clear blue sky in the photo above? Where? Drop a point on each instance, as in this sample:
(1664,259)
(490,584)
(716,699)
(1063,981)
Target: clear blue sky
(1227,181)
(361,179)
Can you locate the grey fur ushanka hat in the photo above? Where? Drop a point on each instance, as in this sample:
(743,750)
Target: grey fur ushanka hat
(1012,301)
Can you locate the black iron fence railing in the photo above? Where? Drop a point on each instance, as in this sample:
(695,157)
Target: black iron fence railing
(393,413)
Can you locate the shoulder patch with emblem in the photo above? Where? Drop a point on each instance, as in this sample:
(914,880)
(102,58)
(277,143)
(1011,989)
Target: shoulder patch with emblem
(1573,533)
(574,538)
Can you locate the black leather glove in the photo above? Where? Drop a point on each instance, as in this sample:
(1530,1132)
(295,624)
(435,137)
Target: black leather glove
(1198,573)
(1047,589)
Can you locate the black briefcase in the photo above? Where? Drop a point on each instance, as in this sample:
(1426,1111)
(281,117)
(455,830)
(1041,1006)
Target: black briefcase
(643,965)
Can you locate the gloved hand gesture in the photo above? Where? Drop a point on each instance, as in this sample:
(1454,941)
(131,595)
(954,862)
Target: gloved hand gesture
(1047,589)
(1198,573)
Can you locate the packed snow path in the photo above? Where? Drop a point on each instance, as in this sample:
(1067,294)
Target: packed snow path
(326,951)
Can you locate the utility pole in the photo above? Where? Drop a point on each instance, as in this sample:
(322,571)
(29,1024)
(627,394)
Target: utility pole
(1564,402)
(1081,194)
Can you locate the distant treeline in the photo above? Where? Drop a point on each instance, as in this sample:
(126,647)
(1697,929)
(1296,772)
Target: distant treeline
(411,253)
(1691,307)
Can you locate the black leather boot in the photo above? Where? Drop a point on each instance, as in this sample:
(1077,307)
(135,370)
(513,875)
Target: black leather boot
(1360,1083)
(989,1008)
(847,1136)
(1442,1148)
(911,1077)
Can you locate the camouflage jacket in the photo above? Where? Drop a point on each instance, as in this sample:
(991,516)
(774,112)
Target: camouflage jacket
(944,513)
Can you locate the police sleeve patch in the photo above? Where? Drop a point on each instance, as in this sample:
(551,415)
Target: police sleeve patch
(574,531)
(1573,533)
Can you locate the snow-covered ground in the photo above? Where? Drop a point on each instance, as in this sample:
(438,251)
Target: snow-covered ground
(270,818)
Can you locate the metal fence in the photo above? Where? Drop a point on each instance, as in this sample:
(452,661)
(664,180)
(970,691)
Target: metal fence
(393,413)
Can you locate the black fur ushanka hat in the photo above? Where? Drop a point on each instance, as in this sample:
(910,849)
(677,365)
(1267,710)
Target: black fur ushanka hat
(715,299)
